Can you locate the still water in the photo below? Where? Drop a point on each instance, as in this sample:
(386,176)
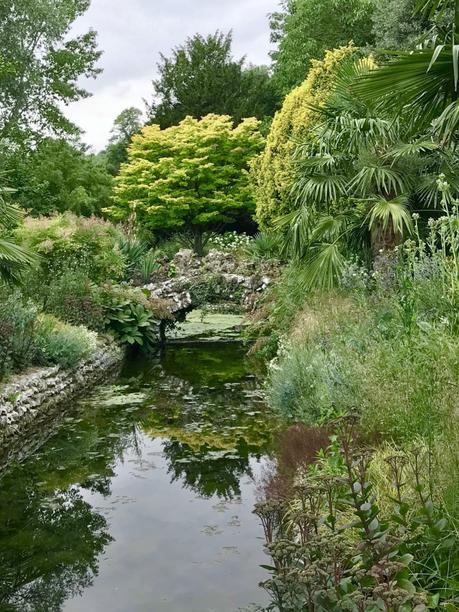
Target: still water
(142,499)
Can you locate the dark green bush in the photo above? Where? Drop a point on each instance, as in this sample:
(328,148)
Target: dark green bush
(73,298)
(18,323)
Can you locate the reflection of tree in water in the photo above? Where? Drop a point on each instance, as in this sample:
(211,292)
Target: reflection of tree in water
(49,547)
(51,538)
(206,471)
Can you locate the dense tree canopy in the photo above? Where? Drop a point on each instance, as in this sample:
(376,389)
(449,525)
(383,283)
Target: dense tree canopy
(202,77)
(128,123)
(189,178)
(305,29)
(59,176)
(40,66)
(396,25)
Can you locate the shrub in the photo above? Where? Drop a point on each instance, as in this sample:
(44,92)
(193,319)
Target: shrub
(73,298)
(265,245)
(131,316)
(62,344)
(67,242)
(334,548)
(18,322)
(273,170)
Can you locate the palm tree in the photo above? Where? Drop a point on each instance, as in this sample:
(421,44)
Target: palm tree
(358,180)
(422,85)
(13,258)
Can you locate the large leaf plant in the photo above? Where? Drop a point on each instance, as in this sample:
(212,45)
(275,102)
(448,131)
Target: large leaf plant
(357,184)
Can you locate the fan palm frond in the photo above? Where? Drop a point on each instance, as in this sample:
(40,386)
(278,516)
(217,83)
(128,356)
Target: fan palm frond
(421,84)
(357,132)
(391,215)
(411,149)
(324,265)
(446,126)
(323,162)
(14,259)
(377,178)
(319,189)
(296,228)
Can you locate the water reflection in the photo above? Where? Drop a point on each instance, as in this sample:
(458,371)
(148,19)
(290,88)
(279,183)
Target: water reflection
(130,470)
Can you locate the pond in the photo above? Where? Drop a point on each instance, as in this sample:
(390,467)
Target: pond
(142,499)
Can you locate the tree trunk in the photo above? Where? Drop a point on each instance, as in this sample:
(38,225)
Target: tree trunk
(198,244)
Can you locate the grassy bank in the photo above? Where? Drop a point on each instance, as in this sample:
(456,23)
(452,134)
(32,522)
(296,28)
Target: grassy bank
(375,362)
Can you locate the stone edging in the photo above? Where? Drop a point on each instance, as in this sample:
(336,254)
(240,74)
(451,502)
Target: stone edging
(31,397)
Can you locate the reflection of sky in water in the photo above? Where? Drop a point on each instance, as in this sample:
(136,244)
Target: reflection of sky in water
(163,463)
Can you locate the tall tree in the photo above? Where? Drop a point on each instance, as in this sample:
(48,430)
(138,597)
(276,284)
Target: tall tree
(191,178)
(396,25)
(305,29)
(40,66)
(57,176)
(128,123)
(423,84)
(202,77)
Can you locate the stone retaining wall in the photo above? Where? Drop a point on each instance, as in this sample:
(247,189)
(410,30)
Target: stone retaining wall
(31,398)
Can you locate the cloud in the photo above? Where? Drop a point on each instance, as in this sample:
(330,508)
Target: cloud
(132,34)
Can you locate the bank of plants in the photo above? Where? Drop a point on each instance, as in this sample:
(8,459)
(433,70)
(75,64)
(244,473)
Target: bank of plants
(362,327)
(383,347)
(334,548)
(75,280)
(29,337)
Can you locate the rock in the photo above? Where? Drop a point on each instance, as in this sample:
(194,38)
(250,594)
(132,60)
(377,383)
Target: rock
(33,396)
(228,278)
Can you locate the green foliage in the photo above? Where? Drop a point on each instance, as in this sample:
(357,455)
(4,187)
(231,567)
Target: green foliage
(133,250)
(422,84)
(396,26)
(201,77)
(14,259)
(128,123)
(334,549)
(306,29)
(62,344)
(67,242)
(131,316)
(357,181)
(28,338)
(189,177)
(364,353)
(264,245)
(213,289)
(148,265)
(41,66)
(273,171)
(18,322)
(58,176)
(73,298)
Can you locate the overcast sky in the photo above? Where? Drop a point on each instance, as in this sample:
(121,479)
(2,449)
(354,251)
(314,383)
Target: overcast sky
(132,33)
